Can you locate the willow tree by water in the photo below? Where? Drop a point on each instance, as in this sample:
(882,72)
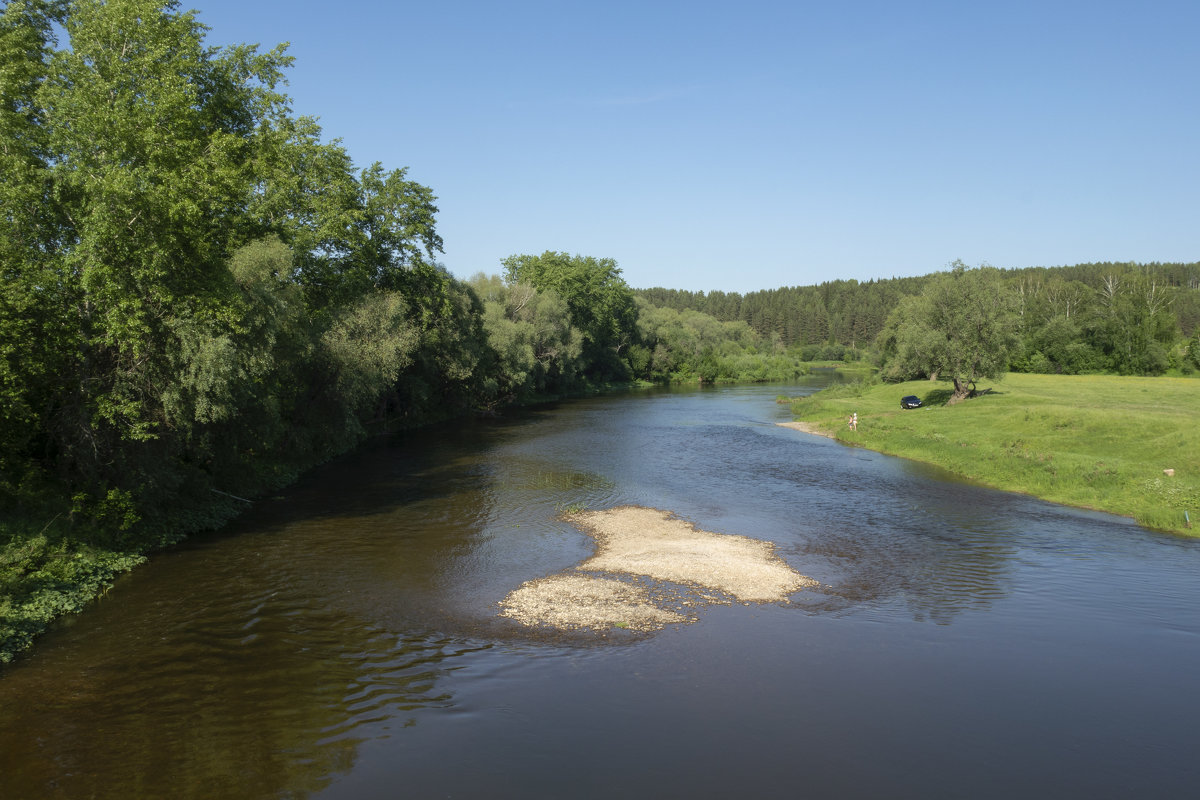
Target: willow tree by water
(962,328)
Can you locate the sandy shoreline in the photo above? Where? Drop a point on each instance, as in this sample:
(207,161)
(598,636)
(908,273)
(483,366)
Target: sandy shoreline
(807,427)
(652,569)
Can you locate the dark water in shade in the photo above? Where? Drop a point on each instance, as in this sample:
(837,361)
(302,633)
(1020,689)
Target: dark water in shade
(342,641)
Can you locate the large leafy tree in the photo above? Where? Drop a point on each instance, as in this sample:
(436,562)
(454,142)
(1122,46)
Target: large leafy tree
(1132,323)
(961,328)
(601,303)
(537,349)
(147,140)
(190,276)
(35,331)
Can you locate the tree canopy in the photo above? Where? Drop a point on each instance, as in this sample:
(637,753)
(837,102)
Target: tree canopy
(1131,319)
(189,272)
(962,327)
(601,304)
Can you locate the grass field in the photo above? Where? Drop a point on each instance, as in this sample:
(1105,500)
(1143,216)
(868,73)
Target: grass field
(1094,441)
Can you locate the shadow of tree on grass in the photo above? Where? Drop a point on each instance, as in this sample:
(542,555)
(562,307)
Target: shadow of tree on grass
(940,397)
(937,397)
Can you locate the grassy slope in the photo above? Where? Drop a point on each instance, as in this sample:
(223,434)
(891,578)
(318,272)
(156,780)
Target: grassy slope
(1093,441)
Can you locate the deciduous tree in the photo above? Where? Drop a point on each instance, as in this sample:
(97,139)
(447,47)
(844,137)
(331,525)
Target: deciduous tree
(962,329)
(601,304)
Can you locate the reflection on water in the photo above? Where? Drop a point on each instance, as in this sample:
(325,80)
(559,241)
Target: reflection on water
(223,680)
(342,640)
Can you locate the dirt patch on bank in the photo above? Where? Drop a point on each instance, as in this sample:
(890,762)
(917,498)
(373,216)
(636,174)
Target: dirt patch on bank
(807,427)
(686,569)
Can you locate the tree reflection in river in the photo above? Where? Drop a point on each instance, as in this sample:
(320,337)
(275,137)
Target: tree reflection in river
(217,675)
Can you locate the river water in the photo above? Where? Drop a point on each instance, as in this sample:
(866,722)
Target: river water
(341,640)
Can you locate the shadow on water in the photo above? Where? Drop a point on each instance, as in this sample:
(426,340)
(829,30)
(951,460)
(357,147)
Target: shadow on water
(254,661)
(386,471)
(244,663)
(217,711)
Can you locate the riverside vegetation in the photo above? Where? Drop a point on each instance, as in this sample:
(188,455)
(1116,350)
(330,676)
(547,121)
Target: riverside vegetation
(1093,441)
(200,298)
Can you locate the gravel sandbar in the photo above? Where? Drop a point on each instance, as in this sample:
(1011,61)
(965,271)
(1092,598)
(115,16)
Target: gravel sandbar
(581,601)
(653,544)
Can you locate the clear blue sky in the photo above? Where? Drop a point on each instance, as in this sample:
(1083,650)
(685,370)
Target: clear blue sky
(752,145)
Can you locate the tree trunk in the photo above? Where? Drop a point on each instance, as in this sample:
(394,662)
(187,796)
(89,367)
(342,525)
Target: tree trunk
(962,390)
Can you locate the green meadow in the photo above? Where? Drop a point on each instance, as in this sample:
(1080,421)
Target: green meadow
(1094,441)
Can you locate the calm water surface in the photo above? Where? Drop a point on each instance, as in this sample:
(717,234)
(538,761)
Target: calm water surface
(341,640)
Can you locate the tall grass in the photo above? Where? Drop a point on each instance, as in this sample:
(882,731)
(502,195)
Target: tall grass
(1095,441)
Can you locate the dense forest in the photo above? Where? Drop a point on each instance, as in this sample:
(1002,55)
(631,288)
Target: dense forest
(1131,319)
(200,298)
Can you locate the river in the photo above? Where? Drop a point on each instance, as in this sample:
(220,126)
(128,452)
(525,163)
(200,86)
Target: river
(341,640)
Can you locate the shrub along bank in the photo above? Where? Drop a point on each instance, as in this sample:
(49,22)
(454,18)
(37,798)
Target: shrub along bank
(1096,441)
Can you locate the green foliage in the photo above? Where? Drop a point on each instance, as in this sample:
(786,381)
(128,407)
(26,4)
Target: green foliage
(1131,324)
(847,313)
(453,361)
(601,305)
(1058,347)
(201,272)
(1193,350)
(366,348)
(689,347)
(365,233)
(196,293)
(963,328)
(145,139)
(541,351)
(45,573)
(32,333)
(538,349)
(1129,335)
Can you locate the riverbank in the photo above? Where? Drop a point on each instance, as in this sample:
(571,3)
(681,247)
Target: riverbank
(807,427)
(1124,445)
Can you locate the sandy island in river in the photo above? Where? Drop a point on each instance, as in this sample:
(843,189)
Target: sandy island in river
(687,568)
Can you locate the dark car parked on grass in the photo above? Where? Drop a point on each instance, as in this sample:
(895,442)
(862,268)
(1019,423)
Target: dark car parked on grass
(910,401)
